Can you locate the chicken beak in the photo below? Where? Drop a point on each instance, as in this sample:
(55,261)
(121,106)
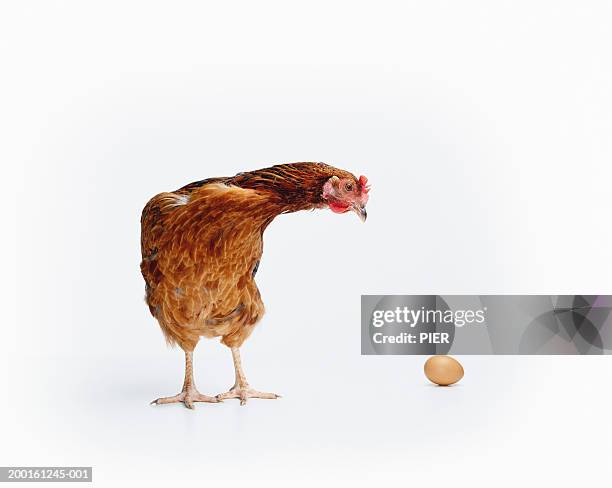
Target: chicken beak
(361,212)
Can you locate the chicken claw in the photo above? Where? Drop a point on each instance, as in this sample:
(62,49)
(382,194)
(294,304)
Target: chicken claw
(245,393)
(241,388)
(188,397)
(190,394)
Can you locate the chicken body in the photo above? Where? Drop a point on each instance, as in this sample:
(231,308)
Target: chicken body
(201,247)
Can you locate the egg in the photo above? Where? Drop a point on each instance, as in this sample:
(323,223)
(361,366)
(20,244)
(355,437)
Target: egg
(443,370)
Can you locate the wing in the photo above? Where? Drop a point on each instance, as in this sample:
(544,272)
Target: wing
(199,249)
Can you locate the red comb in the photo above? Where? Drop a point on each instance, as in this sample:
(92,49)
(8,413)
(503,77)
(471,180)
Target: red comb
(363,181)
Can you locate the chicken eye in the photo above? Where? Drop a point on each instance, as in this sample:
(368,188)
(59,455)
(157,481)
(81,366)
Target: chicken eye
(348,187)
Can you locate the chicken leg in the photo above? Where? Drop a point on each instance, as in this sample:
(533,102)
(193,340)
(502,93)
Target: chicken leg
(241,388)
(190,394)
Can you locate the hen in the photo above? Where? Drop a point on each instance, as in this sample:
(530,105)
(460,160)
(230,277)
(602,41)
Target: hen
(201,247)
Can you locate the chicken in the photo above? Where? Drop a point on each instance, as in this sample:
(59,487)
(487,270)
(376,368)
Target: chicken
(201,246)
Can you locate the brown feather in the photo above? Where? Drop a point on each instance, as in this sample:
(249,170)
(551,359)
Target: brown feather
(202,243)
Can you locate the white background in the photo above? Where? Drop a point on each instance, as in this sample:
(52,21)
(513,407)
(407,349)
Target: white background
(485,130)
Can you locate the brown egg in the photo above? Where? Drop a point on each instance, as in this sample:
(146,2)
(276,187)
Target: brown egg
(443,370)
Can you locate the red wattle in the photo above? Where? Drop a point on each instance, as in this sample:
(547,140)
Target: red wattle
(338,207)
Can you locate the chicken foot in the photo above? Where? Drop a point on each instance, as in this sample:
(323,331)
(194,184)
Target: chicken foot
(189,394)
(241,388)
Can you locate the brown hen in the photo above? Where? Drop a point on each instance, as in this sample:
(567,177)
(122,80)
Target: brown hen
(201,247)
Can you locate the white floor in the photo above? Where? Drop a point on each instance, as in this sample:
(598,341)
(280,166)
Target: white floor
(511,421)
